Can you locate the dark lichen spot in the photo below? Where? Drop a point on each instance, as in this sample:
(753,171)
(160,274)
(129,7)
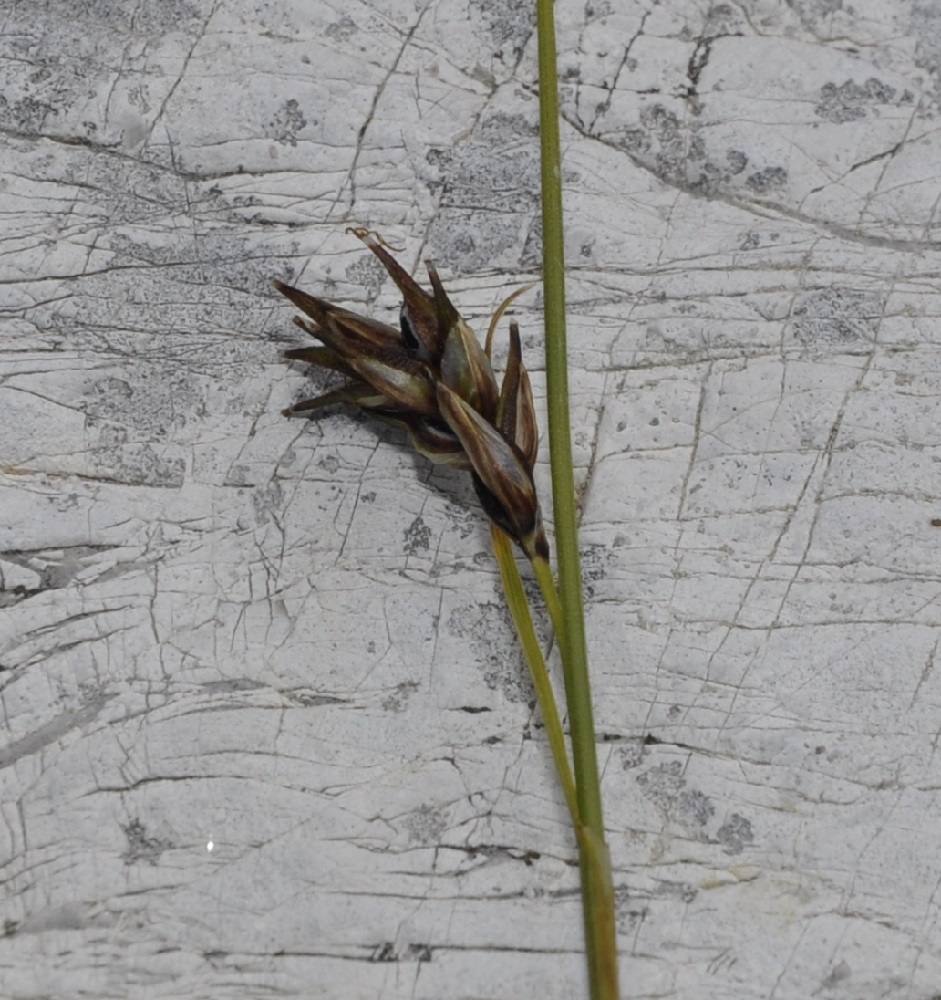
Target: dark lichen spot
(666,787)
(425,825)
(737,161)
(488,629)
(342,30)
(141,847)
(632,753)
(769,179)
(838,317)
(735,833)
(694,807)
(851,101)
(267,502)
(397,701)
(368,272)
(417,537)
(287,122)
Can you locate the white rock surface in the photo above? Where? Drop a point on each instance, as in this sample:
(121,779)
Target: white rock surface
(265,728)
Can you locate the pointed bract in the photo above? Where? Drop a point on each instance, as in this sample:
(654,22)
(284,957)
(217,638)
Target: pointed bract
(501,468)
(349,334)
(516,414)
(346,332)
(465,368)
(399,377)
(418,307)
(356,394)
(323,357)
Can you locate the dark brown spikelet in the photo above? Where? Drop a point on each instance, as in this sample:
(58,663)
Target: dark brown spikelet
(432,377)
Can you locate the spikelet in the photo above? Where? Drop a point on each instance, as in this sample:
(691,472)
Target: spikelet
(432,377)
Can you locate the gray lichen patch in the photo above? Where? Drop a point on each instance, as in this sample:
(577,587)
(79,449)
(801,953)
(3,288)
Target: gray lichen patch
(783,121)
(681,149)
(417,537)
(287,122)
(91,65)
(341,30)
(487,629)
(130,422)
(768,180)
(493,176)
(369,274)
(135,463)
(397,701)
(142,846)
(851,101)
(426,825)
(925,28)
(151,400)
(735,834)
(666,786)
(836,318)
(510,26)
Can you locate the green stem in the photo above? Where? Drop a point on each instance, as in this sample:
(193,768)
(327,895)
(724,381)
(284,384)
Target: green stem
(550,595)
(545,695)
(597,894)
(560,444)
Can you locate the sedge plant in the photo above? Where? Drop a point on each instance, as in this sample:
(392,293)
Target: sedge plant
(431,376)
